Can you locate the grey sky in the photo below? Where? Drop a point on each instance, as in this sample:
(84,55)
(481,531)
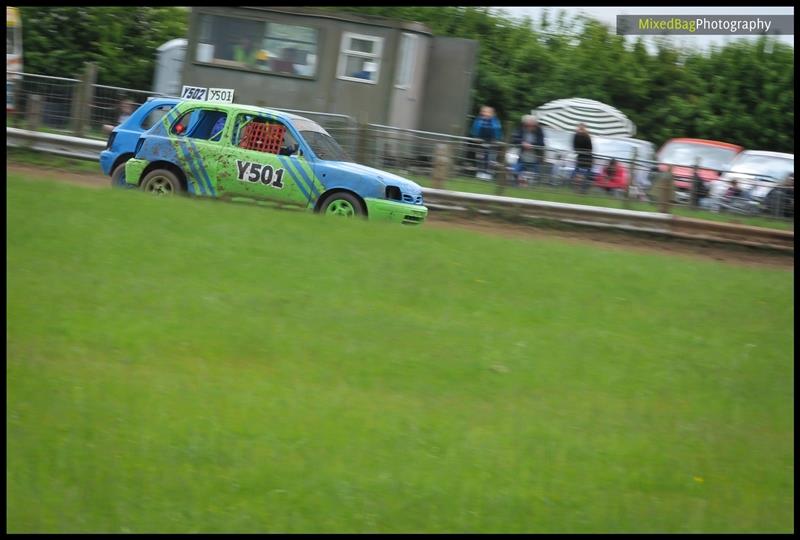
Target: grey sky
(608,15)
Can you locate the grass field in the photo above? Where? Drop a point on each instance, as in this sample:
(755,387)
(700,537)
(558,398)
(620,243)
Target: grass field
(181,365)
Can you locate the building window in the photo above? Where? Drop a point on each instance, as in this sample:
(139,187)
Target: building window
(291,49)
(262,46)
(360,58)
(408,56)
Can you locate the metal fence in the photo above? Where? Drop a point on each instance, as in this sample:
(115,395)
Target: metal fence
(56,104)
(414,151)
(106,104)
(57,95)
(343,128)
(76,107)
(467,164)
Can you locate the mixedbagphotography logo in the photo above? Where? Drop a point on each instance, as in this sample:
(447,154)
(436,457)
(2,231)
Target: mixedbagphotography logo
(705,24)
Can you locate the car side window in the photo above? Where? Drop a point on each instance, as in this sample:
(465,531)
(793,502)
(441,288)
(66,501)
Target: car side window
(205,124)
(262,134)
(155,115)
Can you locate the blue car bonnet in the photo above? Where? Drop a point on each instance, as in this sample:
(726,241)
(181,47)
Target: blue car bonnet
(407,186)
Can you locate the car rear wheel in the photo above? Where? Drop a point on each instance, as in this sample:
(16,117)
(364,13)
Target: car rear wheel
(161,182)
(343,204)
(118,177)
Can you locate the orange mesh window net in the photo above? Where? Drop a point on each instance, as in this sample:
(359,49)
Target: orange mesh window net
(262,137)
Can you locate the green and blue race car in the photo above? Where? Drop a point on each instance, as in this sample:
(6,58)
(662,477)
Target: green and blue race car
(229,150)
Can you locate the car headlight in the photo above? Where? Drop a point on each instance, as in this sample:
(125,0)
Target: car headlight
(393,193)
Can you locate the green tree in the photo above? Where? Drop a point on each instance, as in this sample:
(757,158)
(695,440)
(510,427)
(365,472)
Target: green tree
(742,92)
(121,40)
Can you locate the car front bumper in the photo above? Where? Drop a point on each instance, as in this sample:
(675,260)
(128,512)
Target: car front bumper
(394,211)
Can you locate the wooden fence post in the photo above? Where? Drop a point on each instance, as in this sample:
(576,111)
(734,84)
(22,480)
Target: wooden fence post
(631,178)
(441,165)
(666,192)
(82,102)
(33,113)
(361,143)
(499,170)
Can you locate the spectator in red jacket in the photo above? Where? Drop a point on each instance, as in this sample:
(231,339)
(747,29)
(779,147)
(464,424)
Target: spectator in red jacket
(613,177)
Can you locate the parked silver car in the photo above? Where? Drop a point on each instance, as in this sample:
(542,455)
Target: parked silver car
(756,172)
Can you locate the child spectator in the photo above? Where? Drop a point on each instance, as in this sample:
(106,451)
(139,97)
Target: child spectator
(487,128)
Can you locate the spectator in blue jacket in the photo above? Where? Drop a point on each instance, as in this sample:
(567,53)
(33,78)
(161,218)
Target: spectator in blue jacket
(487,128)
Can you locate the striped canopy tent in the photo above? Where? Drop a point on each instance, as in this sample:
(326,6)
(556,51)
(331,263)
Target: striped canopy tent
(600,119)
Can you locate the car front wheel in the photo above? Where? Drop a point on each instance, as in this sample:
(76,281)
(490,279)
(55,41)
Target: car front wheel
(343,205)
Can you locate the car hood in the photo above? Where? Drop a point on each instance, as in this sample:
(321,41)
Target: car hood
(407,186)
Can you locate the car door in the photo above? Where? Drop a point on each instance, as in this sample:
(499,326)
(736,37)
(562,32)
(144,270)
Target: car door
(197,136)
(265,161)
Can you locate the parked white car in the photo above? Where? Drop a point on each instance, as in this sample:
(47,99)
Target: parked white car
(756,172)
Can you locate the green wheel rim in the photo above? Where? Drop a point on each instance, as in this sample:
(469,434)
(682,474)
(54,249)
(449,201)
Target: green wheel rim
(341,207)
(160,185)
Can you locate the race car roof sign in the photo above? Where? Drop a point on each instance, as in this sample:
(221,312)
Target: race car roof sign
(200,93)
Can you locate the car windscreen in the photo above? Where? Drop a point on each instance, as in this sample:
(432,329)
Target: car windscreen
(772,168)
(686,154)
(324,146)
(304,124)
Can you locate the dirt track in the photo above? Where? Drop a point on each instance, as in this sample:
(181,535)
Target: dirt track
(606,239)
